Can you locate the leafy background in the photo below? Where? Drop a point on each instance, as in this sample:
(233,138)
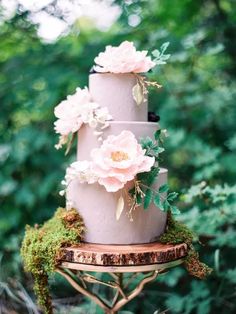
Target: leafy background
(196,105)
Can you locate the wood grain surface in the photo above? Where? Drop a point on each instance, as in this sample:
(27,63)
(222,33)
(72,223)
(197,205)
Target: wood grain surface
(123,255)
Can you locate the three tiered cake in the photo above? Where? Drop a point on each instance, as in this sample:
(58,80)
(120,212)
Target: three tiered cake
(115,189)
(116,183)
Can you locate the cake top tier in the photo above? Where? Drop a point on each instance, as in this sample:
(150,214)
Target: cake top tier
(115,81)
(115,92)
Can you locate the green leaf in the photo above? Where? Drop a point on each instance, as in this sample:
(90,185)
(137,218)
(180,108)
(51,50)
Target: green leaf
(166,205)
(165,57)
(157,134)
(163,188)
(156,53)
(174,210)
(148,178)
(164,47)
(158,149)
(172,196)
(146,142)
(148,198)
(157,202)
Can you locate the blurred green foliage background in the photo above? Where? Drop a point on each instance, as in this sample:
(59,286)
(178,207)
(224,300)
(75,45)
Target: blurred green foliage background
(196,105)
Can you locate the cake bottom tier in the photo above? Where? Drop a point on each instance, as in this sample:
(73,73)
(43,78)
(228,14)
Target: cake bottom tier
(98,209)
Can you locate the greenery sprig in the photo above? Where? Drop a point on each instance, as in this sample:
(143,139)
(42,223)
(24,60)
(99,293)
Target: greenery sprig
(160,56)
(140,90)
(144,192)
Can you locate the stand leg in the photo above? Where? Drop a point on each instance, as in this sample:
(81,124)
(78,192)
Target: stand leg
(136,291)
(117,284)
(84,291)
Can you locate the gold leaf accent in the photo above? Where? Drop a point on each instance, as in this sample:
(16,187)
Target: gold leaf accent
(69,143)
(137,92)
(120,207)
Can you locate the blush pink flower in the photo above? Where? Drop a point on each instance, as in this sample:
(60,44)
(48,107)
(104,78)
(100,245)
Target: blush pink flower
(123,59)
(69,112)
(119,159)
(76,110)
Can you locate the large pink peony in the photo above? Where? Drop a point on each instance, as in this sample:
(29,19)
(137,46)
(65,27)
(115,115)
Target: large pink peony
(123,59)
(118,161)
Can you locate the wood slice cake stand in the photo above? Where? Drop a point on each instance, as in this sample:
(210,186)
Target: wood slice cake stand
(142,260)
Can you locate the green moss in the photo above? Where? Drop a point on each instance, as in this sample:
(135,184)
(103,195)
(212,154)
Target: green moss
(195,267)
(176,232)
(40,249)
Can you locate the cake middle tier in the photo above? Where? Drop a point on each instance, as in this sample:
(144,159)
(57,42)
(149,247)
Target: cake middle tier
(114,91)
(87,140)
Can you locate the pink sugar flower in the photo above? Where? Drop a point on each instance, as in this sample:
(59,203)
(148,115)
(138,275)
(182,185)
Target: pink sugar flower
(68,112)
(76,110)
(123,59)
(119,159)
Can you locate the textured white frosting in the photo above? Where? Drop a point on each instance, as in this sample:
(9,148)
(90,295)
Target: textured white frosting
(114,91)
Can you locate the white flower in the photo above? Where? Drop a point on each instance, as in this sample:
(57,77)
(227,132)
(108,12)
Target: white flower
(82,171)
(69,108)
(76,110)
(68,112)
(65,127)
(87,111)
(102,115)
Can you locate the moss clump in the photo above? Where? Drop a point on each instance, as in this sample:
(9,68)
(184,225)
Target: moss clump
(176,232)
(40,249)
(195,267)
